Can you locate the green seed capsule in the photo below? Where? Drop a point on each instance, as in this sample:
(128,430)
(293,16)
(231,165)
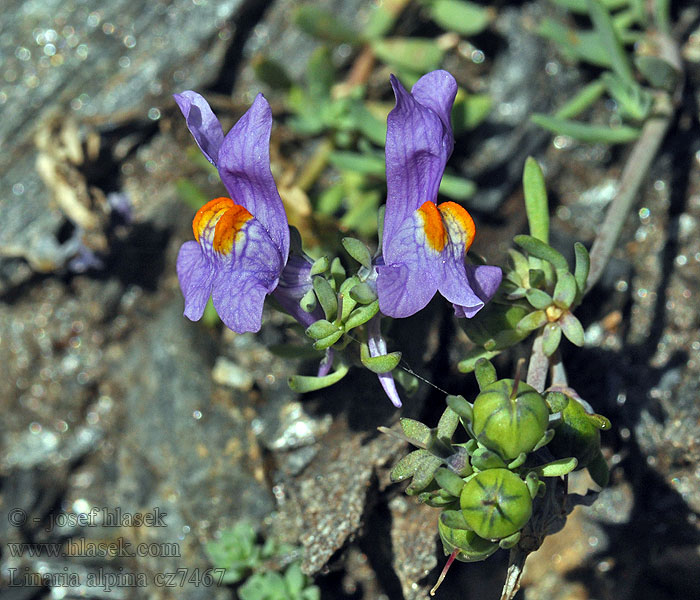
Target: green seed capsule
(496,503)
(471,547)
(509,423)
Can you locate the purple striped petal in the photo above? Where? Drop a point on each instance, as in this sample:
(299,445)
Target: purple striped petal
(484,280)
(418,143)
(241,283)
(196,274)
(202,123)
(244,167)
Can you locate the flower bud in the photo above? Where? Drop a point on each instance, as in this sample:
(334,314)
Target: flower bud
(508,422)
(495,503)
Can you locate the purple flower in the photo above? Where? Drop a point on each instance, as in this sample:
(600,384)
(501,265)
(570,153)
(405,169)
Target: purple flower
(424,243)
(242,242)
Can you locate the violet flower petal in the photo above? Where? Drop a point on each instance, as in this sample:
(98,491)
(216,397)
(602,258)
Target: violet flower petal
(377,347)
(196,274)
(418,143)
(245,277)
(244,168)
(411,273)
(484,280)
(202,123)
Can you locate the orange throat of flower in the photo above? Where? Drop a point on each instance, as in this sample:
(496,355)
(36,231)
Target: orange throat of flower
(219,222)
(459,224)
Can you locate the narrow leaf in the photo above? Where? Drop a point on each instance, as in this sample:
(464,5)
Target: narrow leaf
(326,296)
(541,250)
(466,18)
(321,329)
(363,293)
(418,55)
(358,251)
(583,265)
(586,133)
(581,101)
(572,329)
(485,373)
(538,298)
(328,341)
(449,481)
(460,405)
(379,364)
(361,315)
(415,430)
(536,204)
(447,424)
(565,290)
(551,337)
(557,468)
(303,383)
(610,41)
(533,321)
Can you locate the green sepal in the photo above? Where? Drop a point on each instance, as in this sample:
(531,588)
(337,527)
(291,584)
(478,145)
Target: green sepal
(551,336)
(581,269)
(573,330)
(305,383)
(565,289)
(538,299)
(361,315)
(438,499)
(557,468)
(416,431)
(533,321)
(557,401)
(518,461)
(454,519)
(538,248)
(320,266)
(321,329)
(471,547)
(328,341)
(363,293)
(308,301)
(449,481)
(358,251)
(536,204)
(460,406)
(379,364)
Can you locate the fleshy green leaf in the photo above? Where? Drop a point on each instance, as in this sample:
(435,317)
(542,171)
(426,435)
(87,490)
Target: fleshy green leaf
(565,290)
(586,133)
(610,41)
(460,405)
(583,100)
(551,337)
(320,266)
(541,250)
(536,204)
(572,329)
(379,364)
(657,72)
(633,101)
(467,364)
(337,271)
(328,341)
(466,18)
(358,251)
(308,301)
(521,265)
(326,296)
(418,55)
(415,430)
(533,321)
(447,424)
(363,293)
(321,329)
(538,298)
(485,373)
(304,383)
(449,481)
(454,519)
(557,468)
(361,315)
